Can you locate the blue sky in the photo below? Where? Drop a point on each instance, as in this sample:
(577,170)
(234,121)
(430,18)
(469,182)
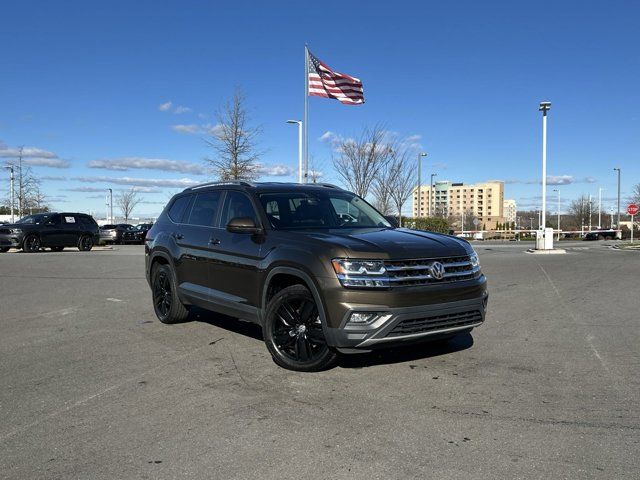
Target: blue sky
(84,82)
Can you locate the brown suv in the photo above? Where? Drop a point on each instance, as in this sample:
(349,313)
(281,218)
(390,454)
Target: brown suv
(316,266)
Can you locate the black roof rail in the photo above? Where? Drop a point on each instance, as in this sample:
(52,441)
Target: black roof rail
(213,184)
(328,185)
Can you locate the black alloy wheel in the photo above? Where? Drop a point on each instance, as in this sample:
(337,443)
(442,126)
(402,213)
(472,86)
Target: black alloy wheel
(293,331)
(31,244)
(86,243)
(166,303)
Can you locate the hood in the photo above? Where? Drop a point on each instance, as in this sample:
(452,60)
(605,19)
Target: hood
(399,243)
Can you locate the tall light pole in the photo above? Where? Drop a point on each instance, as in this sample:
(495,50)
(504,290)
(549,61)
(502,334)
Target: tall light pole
(590,213)
(299,123)
(11,179)
(618,220)
(544,108)
(600,207)
(431,192)
(110,205)
(558,190)
(420,155)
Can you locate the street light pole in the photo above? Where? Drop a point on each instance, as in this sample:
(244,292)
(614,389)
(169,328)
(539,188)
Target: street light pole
(431,192)
(590,213)
(11,179)
(558,190)
(544,108)
(110,205)
(299,123)
(600,208)
(618,220)
(420,155)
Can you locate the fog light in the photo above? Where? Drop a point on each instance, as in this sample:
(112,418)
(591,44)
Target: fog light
(363,318)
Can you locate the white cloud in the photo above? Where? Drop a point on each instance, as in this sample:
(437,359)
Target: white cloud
(327,136)
(560,179)
(55,178)
(274,170)
(27,152)
(182,109)
(46,162)
(211,129)
(413,138)
(139,182)
(86,190)
(188,129)
(129,163)
(165,107)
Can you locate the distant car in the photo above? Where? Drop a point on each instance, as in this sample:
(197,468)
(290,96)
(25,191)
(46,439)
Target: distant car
(50,230)
(136,234)
(600,235)
(114,233)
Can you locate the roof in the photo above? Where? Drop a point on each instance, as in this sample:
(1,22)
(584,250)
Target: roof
(266,186)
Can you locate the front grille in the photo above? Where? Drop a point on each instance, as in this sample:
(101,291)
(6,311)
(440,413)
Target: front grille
(5,231)
(435,323)
(418,271)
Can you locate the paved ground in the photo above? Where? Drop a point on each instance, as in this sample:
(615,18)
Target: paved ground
(94,387)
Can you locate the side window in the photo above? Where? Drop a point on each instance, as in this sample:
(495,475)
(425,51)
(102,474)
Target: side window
(237,205)
(205,208)
(176,212)
(55,220)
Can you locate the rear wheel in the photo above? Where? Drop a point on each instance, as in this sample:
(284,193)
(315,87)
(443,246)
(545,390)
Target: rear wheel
(293,331)
(166,304)
(57,249)
(86,243)
(31,244)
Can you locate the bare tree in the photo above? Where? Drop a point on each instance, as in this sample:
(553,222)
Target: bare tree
(360,161)
(635,194)
(235,142)
(401,180)
(382,189)
(127,201)
(315,169)
(580,210)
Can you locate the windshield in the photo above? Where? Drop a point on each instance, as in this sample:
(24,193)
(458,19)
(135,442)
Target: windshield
(34,219)
(297,210)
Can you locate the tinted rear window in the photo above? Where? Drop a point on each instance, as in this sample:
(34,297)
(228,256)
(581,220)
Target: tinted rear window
(176,212)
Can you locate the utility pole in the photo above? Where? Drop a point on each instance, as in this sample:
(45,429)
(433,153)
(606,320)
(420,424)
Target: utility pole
(590,212)
(558,190)
(20,198)
(544,108)
(420,155)
(110,205)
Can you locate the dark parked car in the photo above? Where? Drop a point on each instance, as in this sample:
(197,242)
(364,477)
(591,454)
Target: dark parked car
(114,233)
(316,266)
(136,234)
(600,235)
(50,230)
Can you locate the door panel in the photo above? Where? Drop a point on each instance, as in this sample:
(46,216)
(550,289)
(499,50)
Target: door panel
(52,233)
(71,230)
(235,259)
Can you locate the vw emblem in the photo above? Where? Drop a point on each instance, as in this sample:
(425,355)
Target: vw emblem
(437,270)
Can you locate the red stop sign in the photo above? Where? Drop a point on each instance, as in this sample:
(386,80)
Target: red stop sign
(632,209)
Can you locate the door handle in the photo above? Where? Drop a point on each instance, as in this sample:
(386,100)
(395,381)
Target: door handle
(177,236)
(214,241)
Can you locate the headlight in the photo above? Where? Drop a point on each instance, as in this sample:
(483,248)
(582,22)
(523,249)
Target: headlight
(360,273)
(16,231)
(473,258)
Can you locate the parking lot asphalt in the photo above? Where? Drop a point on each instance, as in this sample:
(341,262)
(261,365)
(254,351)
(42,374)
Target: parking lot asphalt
(93,386)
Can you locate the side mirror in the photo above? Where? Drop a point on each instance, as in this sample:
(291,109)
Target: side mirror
(243,225)
(392,220)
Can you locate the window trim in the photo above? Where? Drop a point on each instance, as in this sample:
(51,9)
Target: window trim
(192,202)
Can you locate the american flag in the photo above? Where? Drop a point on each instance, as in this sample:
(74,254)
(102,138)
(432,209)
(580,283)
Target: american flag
(324,82)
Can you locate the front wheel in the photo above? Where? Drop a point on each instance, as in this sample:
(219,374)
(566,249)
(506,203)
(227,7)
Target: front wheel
(166,304)
(86,243)
(31,244)
(293,332)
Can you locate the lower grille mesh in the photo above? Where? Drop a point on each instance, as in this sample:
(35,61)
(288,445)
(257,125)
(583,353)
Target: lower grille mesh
(438,322)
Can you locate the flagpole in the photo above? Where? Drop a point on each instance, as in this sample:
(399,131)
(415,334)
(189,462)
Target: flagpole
(306,116)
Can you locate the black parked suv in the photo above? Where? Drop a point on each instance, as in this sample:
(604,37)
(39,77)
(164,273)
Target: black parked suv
(52,230)
(316,266)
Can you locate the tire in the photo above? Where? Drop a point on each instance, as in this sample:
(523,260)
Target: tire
(57,249)
(293,332)
(31,244)
(166,304)
(85,244)
(4,249)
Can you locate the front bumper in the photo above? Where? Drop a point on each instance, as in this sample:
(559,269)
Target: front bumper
(404,314)
(11,240)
